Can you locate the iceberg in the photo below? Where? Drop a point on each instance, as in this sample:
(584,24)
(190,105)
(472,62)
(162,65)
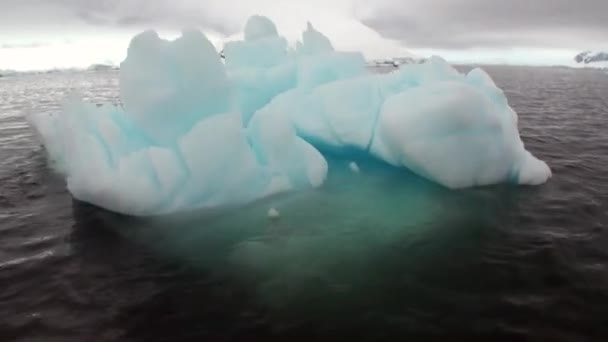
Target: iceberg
(457,130)
(179,142)
(196,132)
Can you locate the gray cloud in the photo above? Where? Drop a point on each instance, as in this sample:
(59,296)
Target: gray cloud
(441,24)
(163,14)
(450,24)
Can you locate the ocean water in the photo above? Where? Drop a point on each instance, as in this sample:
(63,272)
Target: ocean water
(381,255)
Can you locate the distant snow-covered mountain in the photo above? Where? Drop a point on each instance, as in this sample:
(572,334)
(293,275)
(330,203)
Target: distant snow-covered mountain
(592,58)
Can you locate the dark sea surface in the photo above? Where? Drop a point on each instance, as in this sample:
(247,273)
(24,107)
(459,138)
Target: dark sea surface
(378,256)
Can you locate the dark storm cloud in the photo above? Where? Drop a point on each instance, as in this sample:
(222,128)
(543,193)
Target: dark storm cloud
(169,14)
(457,24)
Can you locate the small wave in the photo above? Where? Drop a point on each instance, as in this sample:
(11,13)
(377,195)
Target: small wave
(27,260)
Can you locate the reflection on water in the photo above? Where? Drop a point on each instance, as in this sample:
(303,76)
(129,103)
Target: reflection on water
(377,240)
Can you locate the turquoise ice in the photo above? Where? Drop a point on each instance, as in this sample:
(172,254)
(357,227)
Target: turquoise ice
(198,133)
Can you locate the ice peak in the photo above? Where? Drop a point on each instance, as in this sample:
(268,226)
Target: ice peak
(313,42)
(260,27)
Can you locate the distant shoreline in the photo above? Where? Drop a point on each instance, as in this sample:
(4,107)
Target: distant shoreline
(371,64)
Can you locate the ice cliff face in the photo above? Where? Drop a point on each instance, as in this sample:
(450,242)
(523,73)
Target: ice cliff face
(198,133)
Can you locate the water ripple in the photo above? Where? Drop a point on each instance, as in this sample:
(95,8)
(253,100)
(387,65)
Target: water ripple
(509,264)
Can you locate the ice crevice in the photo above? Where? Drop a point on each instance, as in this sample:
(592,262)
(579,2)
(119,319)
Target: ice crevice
(196,132)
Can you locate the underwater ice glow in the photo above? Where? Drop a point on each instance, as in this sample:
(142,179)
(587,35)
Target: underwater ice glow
(197,133)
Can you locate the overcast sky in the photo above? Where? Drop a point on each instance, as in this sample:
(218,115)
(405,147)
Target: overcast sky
(37,34)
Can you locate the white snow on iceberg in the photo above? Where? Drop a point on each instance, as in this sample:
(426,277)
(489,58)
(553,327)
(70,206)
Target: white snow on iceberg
(195,133)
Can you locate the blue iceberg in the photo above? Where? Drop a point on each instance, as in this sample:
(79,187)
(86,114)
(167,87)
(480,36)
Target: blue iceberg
(195,132)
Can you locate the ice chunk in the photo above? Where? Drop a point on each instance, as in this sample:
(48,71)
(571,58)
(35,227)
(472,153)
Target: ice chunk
(180,142)
(262,47)
(273,214)
(354,167)
(260,27)
(532,171)
(313,42)
(195,133)
(457,130)
(166,87)
(450,132)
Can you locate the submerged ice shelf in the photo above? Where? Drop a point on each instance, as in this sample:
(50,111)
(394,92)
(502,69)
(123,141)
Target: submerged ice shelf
(197,133)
